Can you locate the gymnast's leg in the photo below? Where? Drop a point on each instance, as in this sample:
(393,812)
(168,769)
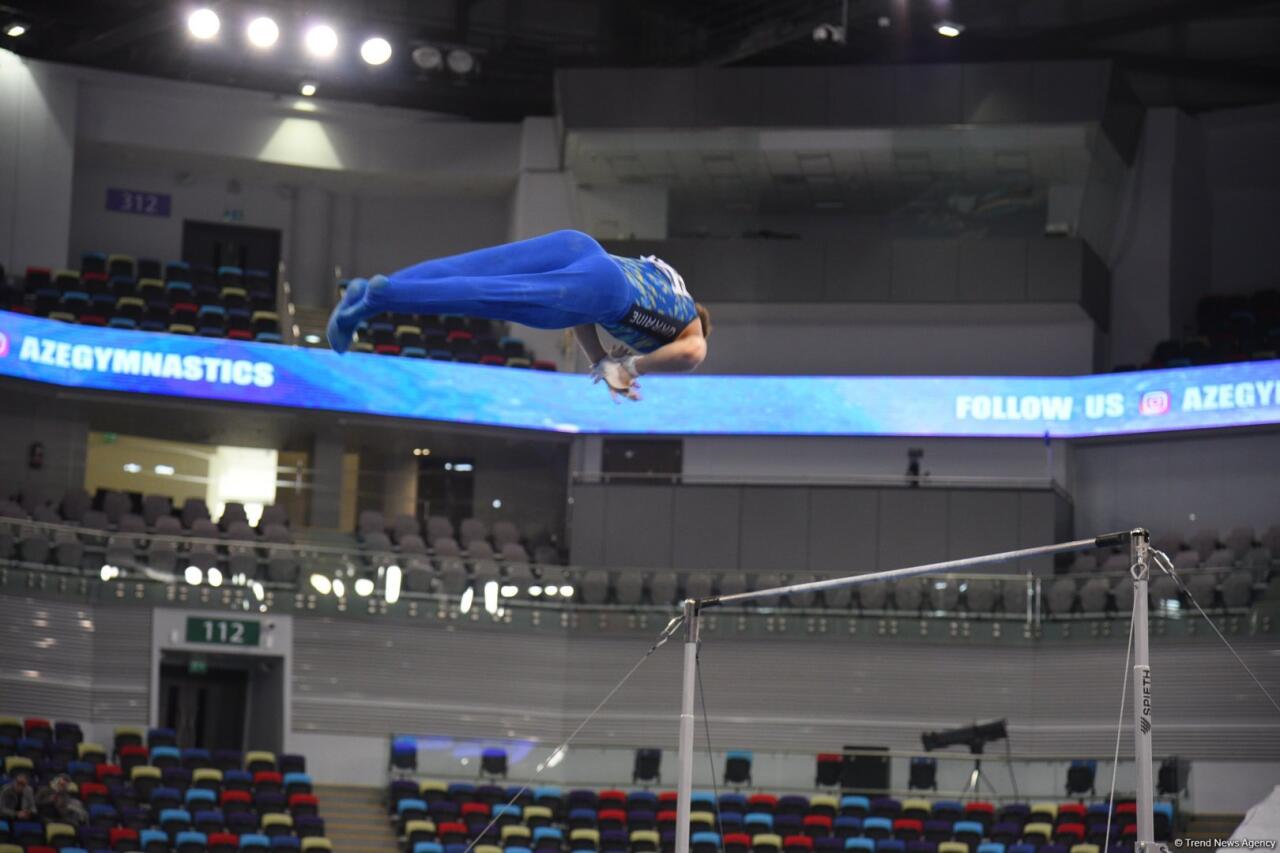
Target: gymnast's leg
(554,281)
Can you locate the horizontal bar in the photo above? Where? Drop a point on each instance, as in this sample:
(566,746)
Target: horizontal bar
(1104,541)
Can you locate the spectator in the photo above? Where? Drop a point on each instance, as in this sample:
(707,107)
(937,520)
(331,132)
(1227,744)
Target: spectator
(17,802)
(58,802)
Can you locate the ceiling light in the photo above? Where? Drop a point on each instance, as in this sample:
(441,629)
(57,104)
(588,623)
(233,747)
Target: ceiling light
(204,24)
(312,339)
(263,32)
(535,591)
(461,61)
(364,587)
(321,584)
(321,41)
(215,576)
(550,590)
(428,58)
(132,467)
(462,466)
(491,597)
(948,29)
(375,51)
(258,591)
(497,503)
(339,588)
(417,451)
(307,89)
(468,595)
(193,575)
(391,590)
(566,591)
(15,30)
(164,470)
(556,757)
(509,590)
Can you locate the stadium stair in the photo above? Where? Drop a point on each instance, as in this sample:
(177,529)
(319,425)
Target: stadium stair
(1211,826)
(355,819)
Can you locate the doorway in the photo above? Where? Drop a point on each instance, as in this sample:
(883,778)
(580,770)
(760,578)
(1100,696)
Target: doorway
(223,701)
(447,487)
(215,244)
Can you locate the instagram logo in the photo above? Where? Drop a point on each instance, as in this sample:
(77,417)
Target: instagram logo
(1154,403)
(4,344)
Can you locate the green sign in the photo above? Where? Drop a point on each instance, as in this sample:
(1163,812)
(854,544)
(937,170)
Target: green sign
(223,632)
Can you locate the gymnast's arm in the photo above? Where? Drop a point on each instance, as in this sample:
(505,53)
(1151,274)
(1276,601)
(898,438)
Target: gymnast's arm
(683,354)
(589,340)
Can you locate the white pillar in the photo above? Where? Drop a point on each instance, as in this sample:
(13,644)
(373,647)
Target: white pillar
(310,270)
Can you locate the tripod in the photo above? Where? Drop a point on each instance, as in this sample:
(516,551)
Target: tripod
(976,776)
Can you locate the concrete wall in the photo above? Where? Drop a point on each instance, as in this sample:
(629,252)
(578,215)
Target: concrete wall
(1244,181)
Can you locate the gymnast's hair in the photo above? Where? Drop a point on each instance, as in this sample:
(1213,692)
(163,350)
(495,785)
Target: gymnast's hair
(705,316)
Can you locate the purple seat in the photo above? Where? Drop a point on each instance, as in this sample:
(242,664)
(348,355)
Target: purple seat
(308,826)
(614,840)
(886,807)
(937,830)
(788,824)
(921,847)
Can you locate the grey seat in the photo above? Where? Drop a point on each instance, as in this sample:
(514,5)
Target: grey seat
(980,596)
(95,519)
(439,527)
(418,576)
(1223,558)
(276,533)
(6,542)
(1237,589)
(908,594)
(838,598)
(167,525)
(479,549)
(155,507)
(405,525)
(9,509)
(1239,540)
(74,504)
(46,514)
(483,571)
(505,533)
(243,562)
(1270,540)
(232,513)
(1204,541)
(114,504)
(803,599)
(376,541)
(1013,596)
(1186,560)
(1117,563)
(193,510)
(241,531)
(68,551)
(731,583)
(121,553)
(1060,597)
(663,588)
(1093,595)
(273,514)
(411,543)
(201,556)
(1122,592)
(371,521)
(33,547)
(698,584)
(1170,543)
(282,567)
(513,553)
(162,556)
(628,586)
(1164,590)
(453,578)
(873,596)
(534,533)
(518,574)
(1203,587)
(546,555)
(472,529)
(448,555)
(131,522)
(203,528)
(946,598)
(593,586)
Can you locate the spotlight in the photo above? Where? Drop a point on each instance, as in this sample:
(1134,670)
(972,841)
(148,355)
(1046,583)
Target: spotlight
(164,470)
(550,590)
(509,590)
(321,584)
(535,591)
(461,61)
(215,576)
(556,757)
(428,58)
(132,468)
(491,597)
(15,30)
(339,588)
(258,591)
(392,589)
(263,32)
(109,572)
(312,339)
(364,587)
(321,41)
(833,33)
(948,29)
(307,89)
(204,24)
(566,591)
(464,605)
(193,575)
(375,51)
(497,503)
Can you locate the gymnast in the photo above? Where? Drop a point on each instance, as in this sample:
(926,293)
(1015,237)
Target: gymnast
(560,280)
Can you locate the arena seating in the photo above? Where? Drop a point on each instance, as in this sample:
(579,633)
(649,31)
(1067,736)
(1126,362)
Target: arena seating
(142,793)
(434,817)
(120,292)
(1228,328)
(446,337)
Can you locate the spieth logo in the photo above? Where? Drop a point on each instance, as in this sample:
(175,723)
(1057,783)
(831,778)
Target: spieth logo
(1154,403)
(4,344)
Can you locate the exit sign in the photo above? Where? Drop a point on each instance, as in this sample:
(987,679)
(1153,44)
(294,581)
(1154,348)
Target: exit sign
(223,632)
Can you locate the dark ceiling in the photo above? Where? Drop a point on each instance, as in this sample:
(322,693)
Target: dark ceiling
(1195,54)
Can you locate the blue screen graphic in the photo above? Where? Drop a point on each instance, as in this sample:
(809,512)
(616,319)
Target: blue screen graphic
(1229,395)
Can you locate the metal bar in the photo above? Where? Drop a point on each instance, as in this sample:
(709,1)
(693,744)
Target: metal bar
(1139,550)
(927,569)
(684,794)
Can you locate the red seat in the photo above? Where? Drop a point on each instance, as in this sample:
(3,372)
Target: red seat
(1073,831)
(234,797)
(120,834)
(762,803)
(308,800)
(797,842)
(223,841)
(611,817)
(240,334)
(92,320)
(543,364)
(736,841)
(134,751)
(668,799)
(464,335)
(94,282)
(481,809)
(1071,813)
(667,817)
(38,727)
(494,360)
(908,828)
(452,830)
(108,771)
(817,825)
(268,778)
(94,790)
(387,349)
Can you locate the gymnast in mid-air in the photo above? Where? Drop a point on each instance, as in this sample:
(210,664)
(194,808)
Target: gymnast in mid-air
(557,281)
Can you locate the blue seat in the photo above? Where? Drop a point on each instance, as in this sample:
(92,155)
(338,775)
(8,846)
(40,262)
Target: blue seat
(179,289)
(967,827)
(1024,848)
(465,789)
(286,842)
(758,822)
(301,780)
(643,800)
(854,804)
(866,845)
(514,849)
(730,822)
(152,836)
(547,832)
(268,338)
(428,847)
(411,805)
(583,816)
(951,810)
(733,803)
(891,845)
(255,843)
(175,820)
(122,323)
(547,792)
(191,839)
(702,801)
(990,847)
(237,780)
(846,826)
(877,825)
(508,809)
(199,797)
(705,838)
(170,754)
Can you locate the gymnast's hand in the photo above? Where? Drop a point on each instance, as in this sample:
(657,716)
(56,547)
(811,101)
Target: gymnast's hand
(616,378)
